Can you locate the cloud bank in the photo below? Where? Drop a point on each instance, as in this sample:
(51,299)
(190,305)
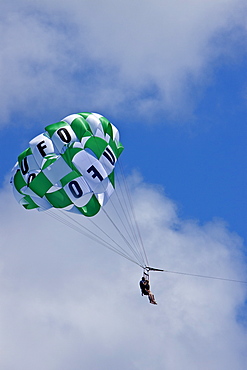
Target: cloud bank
(68,303)
(107,55)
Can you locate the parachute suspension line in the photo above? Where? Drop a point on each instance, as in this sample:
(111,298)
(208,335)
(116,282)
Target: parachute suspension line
(108,236)
(127,190)
(120,251)
(90,234)
(127,206)
(130,224)
(114,241)
(129,231)
(123,237)
(133,212)
(73,226)
(132,245)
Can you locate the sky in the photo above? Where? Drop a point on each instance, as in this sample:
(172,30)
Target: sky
(171,76)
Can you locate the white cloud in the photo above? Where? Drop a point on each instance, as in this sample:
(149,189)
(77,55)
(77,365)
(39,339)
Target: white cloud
(106,54)
(67,303)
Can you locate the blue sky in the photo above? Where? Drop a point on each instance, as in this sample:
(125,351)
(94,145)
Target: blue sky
(172,77)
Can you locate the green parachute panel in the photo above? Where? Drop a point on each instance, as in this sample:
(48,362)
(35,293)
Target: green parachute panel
(85,114)
(40,184)
(19,181)
(105,124)
(69,154)
(49,159)
(28,203)
(112,178)
(97,145)
(91,208)
(24,154)
(51,129)
(58,199)
(81,128)
(71,176)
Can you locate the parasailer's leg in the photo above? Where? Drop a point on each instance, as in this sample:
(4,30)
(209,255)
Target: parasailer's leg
(151,298)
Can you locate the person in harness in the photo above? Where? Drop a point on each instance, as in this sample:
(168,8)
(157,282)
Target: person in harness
(145,289)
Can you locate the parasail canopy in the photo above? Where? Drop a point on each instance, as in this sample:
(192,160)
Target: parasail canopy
(70,166)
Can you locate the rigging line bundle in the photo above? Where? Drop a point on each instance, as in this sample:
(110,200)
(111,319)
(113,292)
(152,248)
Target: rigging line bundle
(126,193)
(125,222)
(106,237)
(88,233)
(127,190)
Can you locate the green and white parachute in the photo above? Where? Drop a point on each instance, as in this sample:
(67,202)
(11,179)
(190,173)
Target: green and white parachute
(70,166)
